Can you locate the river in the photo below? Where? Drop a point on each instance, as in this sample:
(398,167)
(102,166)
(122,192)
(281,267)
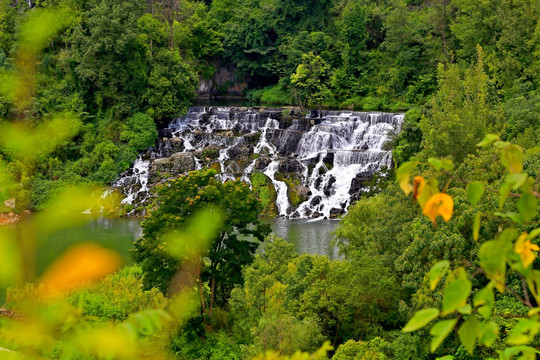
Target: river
(308,236)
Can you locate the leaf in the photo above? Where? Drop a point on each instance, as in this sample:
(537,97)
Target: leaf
(447,164)
(488,332)
(79,265)
(429,188)
(475,190)
(468,332)
(524,331)
(439,204)
(488,139)
(526,250)
(484,300)
(532,151)
(437,164)
(534,233)
(403,174)
(455,294)
(10,260)
(512,158)
(476,225)
(527,205)
(492,255)
(440,331)
(418,186)
(515,180)
(437,272)
(421,319)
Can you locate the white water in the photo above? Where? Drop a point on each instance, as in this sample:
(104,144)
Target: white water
(328,151)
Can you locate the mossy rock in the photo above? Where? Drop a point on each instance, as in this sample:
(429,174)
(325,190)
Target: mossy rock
(266,193)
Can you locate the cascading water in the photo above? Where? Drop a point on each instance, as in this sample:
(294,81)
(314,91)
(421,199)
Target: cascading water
(323,157)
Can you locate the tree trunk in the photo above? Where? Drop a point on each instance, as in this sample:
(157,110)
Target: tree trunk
(201,292)
(212,292)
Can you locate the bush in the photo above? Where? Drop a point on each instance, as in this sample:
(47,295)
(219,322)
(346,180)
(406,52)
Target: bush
(117,296)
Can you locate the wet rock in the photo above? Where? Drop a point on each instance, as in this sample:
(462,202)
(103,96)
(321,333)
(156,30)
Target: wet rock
(165,133)
(316,214)
(335,212)
(239,151)
(176,164)
(302,191)
(315,201)
(358,182)
(290,166)
(262,163)
(329,188)
(329,159)
(285,141)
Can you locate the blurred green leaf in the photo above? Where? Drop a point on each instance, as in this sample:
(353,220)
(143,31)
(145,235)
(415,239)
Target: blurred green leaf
(421,319)
(475,190)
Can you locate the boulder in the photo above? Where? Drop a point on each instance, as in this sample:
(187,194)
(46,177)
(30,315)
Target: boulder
(176,164)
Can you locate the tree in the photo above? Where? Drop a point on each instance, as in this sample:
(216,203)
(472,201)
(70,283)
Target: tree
(458,113)
(232,248)
(172,85)
(309,81)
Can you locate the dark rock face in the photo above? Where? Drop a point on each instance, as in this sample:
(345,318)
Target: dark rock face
(239,151)
(358,182)
(178,163)
(290,166)
(328,188)
(262,162)
(335,212)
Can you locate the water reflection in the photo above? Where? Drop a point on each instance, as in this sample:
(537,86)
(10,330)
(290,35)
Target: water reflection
(309,236)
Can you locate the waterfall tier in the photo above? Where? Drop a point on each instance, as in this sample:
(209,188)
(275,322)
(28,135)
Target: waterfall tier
(315,162)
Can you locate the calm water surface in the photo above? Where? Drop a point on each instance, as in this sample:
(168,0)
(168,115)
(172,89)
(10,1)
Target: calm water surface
(309,236)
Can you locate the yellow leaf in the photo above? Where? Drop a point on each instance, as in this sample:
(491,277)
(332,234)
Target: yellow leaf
(526,249)
(79,265)
(439,204)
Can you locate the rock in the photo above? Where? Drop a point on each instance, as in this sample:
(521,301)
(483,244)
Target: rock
(302,191)
(176,164)
(316,214)
(315,201)
(10,203)
(285,141)
(358,182)
(240,151)
(329,159)
(328,188)
(290,166)
(335,212)
(262,162)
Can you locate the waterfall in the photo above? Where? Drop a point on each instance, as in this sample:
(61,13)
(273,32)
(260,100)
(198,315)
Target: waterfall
(325,156)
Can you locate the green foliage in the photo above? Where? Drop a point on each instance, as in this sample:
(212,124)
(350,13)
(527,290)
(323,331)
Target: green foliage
(510,249)
(458,113)
(233,246)
(117,296)
(264,190)
(309,81)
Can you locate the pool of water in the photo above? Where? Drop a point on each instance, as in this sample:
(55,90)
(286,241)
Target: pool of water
(308,236)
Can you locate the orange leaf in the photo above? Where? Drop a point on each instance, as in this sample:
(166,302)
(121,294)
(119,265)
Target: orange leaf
(84,263)
(418,186)
(439,204)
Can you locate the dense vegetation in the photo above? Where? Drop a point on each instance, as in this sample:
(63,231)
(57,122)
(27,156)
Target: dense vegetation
(94,78)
